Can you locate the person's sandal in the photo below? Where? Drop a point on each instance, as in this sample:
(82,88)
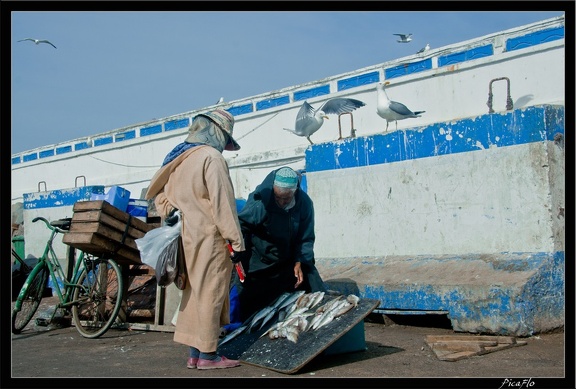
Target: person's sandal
(222,363)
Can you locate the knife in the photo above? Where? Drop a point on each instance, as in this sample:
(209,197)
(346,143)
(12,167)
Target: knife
(239,267)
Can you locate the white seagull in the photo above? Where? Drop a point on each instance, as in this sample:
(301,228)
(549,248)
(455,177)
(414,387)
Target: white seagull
(404,38)
(424,49)
(37,41)
(392,110)
(309,120)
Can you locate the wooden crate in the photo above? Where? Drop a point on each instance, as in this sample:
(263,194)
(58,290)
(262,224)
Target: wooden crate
(101,229)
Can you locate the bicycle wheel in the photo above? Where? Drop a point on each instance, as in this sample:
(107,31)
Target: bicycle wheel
(29,299)
(97,297)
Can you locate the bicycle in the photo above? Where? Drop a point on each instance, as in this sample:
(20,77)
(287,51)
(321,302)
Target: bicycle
(92,289)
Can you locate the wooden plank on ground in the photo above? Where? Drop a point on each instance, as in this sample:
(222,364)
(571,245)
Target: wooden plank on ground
(456,347)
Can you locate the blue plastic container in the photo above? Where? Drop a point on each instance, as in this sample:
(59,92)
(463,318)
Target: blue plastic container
(116,195)
(138,208)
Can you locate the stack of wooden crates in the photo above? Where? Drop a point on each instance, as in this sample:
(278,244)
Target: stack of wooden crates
(101,229)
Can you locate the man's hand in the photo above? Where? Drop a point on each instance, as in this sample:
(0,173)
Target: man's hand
(298,274)
(238,256)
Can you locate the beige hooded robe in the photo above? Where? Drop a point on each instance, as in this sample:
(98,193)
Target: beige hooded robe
(198,183)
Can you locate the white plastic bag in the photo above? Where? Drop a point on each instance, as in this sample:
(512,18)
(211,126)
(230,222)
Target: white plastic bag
(155,241)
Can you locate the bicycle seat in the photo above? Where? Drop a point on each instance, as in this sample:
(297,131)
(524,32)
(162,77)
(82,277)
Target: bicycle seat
(63,224)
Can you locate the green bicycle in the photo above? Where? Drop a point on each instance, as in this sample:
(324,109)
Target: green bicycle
(92,290)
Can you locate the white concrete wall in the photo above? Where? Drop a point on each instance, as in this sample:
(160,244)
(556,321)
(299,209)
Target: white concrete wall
(488,201)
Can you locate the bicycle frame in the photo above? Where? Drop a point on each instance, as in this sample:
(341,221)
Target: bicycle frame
(50,260)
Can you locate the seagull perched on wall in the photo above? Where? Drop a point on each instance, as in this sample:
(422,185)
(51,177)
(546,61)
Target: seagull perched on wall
(404,38)
(424,49)
(392,110)
(309,120)
(37,41)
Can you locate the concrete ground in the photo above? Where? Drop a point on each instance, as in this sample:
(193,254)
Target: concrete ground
(396,355)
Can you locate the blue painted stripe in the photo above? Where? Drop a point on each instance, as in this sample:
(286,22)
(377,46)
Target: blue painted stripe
(364,79)
(313,92)
(60,198)
(103,141)
(30,157)
(125,135)
(15,160)
(533,124)
(534,38)
(269,103)
(81,146)
(241,109)
(46,153)
(408,68)
(176,124)
(474,53)
(151,130)
(63,150)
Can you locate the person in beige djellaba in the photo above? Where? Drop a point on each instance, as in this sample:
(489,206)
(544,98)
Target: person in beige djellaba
(194,179)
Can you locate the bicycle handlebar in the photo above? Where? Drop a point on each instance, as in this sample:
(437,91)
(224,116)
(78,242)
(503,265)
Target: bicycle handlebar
(49,225)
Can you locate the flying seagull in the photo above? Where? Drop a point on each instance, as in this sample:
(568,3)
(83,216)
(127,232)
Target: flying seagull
(424,49)
(309,120)
(37,41)
(404,38)
(392,110)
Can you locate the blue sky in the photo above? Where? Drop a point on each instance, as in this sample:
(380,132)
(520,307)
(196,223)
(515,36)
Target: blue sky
(113,69)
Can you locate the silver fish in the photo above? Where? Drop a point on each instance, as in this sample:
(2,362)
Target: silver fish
(327,318)
(232,335)
(318,296)
(290,300)
(345,308)
(267,318)
(259,316)
(329,314)
(275,307)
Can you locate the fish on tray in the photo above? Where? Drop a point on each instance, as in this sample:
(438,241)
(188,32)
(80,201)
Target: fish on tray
(232,335)
(267,313)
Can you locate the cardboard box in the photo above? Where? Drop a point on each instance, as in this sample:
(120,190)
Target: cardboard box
(101,229)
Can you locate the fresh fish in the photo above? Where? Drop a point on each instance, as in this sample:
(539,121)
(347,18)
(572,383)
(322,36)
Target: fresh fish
(345,308)
(317,297)
(274,308)
(267,318)
(289,332)
(292,334)
(281,299)
(232,335)
(296,312)
(259,316)
(290,300)
(326,318)
(352,298)
(302,301)
(330,313)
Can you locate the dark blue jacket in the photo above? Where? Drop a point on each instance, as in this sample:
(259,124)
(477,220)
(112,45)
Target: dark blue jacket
(277,238)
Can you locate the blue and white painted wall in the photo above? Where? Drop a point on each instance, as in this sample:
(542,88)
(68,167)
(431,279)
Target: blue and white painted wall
(459,211)
(464,218)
